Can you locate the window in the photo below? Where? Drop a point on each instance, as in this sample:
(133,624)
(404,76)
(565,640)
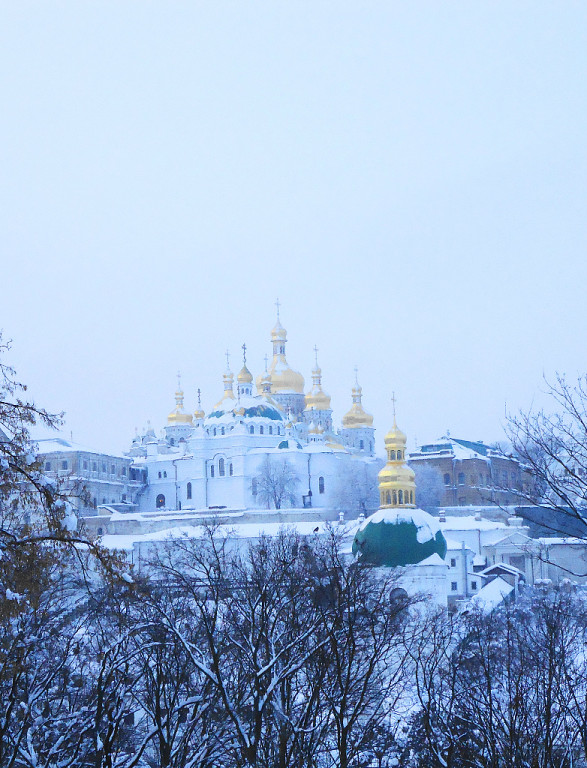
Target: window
(453,586)
(320,485)
(124,471)
(461,478)
(361,444)
(453,562)
(399,455)
(221,471)
(400,497)
(411,497)
(124,496)
(211,470)
(159,474)
(113,501)
(230,469)
(172,441)
(261,429)
(104,501)
(270,430)
(113,469)
(189,491)
(47,466)
(85,464)
(394,496)
(100,531)
(95,502)
(160,501)
(214,432)
(103,466)
(64,465)
(222,431)
(164,474)
(254,486)
(252,429)
(473,585)
(392,455)
(388,498)
(94,467)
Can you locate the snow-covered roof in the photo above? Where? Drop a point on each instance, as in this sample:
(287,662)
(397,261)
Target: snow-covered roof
(245,407)
(470,523)
(426,525)
(503,566)
(492,594)
(62,445)
(458,449)
(434,559)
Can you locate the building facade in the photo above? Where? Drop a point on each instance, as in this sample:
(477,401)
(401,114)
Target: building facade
(472,473)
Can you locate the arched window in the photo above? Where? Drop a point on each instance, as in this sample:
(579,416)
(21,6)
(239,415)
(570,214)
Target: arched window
(446,478)
(189,491)
(252,429)
(164,474)
(411,497)
(261,429)
(160,501)
(361,444)
(100,531)
(103,501)
(254,486)
(395,497)
(211,470)
(270,430)
(388,498)
(392,455)
(222,431)
(399,455)
(461,478)
(160,475)
(230,469)
(221,472)
(172,441)
(400,495)
(320,485)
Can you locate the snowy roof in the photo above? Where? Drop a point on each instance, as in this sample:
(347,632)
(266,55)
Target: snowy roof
(505,567)
(247,407)
(492,594)
(434,559)
(456,545)
(470,523)
(61,445)
(241,531)
(426,525)
(458,449)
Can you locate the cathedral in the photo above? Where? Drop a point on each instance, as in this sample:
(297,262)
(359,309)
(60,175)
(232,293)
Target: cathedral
(267,443)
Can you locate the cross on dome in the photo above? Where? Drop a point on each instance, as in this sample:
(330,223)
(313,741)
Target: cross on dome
(277,304)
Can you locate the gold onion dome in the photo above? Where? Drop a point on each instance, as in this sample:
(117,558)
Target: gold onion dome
(283,378)
(244,376)
(178,415)
(317,399)
(397,485)
(357,416)
(227,380)
(199,413)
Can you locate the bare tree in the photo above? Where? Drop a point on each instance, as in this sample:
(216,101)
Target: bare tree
(553,446)
(276,483)
(356,488)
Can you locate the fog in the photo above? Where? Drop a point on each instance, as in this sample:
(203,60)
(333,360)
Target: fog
(407,178)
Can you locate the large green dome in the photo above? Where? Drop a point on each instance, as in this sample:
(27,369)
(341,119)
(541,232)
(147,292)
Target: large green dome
(397,537)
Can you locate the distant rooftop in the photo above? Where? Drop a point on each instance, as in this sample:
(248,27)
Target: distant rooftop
(62,445)
(457,448)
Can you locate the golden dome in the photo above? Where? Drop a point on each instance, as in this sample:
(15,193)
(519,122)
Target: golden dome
(357,416)
(178,415)
(227,378)
(397,487)
(317,399)
(244,376)
(282,377)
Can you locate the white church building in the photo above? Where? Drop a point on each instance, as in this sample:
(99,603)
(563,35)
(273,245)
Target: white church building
(219,460)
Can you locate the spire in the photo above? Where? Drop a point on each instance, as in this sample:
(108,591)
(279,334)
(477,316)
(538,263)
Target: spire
(393,402)
(199,414)
(317,399)
(357,417)
(227,381)
(178,415)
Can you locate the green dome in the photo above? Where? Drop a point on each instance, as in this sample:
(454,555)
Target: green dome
(397,537)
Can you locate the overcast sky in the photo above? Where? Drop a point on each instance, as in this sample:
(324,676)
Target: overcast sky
(409,178)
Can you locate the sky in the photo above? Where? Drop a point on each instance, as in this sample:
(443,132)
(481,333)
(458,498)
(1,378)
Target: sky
(409,179)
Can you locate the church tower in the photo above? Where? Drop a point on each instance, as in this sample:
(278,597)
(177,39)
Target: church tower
(318,408)
(396,480)
(357,425)
(179,423)
(226,401)
(287,385)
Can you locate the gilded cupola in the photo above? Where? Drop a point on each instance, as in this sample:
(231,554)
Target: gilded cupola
(357,416)
(397,487)
(245,377)
(178,415)
(227,380)
(317,399)
(283,378)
